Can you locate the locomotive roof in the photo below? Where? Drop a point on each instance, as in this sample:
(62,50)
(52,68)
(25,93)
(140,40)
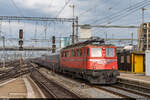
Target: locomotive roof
(98,41)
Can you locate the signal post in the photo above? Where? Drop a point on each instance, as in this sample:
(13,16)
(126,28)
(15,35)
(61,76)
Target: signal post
(21,47)
(53,51)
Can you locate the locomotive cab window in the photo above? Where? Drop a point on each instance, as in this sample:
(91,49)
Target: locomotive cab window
(96,52)
(110,52)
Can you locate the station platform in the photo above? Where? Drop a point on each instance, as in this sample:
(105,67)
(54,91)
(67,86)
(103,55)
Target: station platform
(140,79)
(21,87)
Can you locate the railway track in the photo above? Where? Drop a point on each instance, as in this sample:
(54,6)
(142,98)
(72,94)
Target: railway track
(16,72)
(50,88)
(126,90)
(133,88)
(122,89)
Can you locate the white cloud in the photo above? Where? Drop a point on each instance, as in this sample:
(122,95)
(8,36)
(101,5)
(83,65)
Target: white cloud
(49,7)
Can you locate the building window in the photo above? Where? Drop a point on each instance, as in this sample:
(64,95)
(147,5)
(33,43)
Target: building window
(122,59)
(128,59)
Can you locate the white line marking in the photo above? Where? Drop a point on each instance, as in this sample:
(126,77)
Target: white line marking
(7,82)
(41,93)
(30,93)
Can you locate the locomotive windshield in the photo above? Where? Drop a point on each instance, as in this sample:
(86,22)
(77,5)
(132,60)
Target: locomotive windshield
(96,52)
(110,52)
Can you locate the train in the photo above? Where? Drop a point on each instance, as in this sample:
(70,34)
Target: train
(91,60)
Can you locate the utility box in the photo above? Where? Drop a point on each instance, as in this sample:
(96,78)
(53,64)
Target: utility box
(147,57)
(138,62)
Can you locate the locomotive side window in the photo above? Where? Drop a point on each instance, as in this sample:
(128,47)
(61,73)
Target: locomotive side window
(110,52)
(72,53)
(62,54)
(65,54)
(96,52)
(80,52)
(84,51)
(88,52)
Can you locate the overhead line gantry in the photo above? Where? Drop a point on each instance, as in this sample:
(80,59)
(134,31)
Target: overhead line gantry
(108,26)
(36,18)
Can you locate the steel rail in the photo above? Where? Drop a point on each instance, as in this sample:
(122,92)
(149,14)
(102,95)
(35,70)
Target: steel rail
(111,91)
(42,85)
(140,90)
(47,84)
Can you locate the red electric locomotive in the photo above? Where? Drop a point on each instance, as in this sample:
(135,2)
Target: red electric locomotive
(91,60)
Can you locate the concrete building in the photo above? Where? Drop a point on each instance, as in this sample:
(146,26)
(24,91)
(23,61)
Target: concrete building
(143,40)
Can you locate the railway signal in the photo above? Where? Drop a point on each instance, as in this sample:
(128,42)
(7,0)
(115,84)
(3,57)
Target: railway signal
(20,34)
(53,44)
(53,39)
(20,40)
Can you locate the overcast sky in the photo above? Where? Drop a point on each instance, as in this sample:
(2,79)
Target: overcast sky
(95,12)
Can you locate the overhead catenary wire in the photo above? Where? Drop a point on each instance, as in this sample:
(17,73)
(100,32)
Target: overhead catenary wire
(124,15)
(95,6)
(62,8)
(120,12)
(19,11)
(50,5)
(88,10)
(123,11)
(117,18)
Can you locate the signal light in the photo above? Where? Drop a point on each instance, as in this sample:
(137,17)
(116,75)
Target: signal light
(53,48)
(53,39)
(21,34)
(20,42)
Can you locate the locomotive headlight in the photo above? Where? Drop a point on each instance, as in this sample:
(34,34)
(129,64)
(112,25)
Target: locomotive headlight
(103,48)
(113,67)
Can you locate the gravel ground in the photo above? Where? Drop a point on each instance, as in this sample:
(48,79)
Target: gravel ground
(85,92)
